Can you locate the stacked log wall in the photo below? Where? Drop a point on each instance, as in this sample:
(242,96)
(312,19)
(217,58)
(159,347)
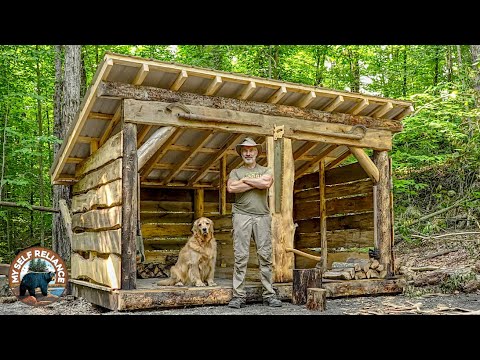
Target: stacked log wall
(349,206)
(97,216)
(167,216)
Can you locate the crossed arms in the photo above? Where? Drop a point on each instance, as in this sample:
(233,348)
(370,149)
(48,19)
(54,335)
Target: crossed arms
(245,184)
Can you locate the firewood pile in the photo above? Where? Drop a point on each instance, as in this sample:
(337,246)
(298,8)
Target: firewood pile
(356,269)
(157,264)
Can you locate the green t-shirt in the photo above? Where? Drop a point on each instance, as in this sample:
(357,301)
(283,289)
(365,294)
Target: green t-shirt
(254,201)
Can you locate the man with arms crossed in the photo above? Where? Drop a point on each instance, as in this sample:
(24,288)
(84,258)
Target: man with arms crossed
(251,216)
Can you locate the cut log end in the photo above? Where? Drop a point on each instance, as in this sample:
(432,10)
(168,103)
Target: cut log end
(316,299)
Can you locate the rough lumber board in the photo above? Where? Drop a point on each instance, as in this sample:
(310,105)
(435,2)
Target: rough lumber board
(97,219)
(107,195)
(141,74)
(111,125)
(364,287)
(121,90)
(111,150)
(322,215)
(101,270)
(334,103)
(354,204)
(338,175)
(174,296)
(157,113)
(98,295)
(357,109)
(336,239)
(214,86)
(335,191)
(101,176)
(247,91)
(104,242)
(362,221)
(182,76)
(67,219)
(280,93)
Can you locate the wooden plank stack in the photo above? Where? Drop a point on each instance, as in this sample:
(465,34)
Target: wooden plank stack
(356,269)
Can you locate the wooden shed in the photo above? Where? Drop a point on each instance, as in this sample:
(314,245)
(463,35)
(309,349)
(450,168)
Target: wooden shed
(150,151)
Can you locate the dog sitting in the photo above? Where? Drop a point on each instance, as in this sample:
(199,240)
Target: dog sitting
(196,261)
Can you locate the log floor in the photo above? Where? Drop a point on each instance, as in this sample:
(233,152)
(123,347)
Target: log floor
(149,295)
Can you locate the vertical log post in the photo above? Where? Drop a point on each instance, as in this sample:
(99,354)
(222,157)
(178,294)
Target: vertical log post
(283,229)
(302,280)
(323,215)
(199,204)
(223,186)
(383,219)
(129,206)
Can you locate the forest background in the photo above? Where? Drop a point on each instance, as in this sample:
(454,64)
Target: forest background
(436,159)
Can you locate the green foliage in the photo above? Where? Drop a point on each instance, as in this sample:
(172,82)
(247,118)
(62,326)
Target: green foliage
(456,282)
(38,265)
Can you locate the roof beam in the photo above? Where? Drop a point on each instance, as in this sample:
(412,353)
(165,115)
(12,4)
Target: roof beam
(157,113)
(382,110)
(234,138)
(280,93)
(366,163)
(179,166)
(304,168)
(86,139)
(357,109)
(142,133)
(141,75)
(179,81)
(120,90)
(307,99)
(159,154)
(408,110)
(74,160)
(249,89)
(151,146)
(111,125)
(192,168)
(214,86)
(99,116)
(334,104)
(338,160)
(304,149)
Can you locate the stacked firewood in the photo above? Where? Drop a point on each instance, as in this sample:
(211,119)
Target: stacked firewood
(157,264)
(356,269)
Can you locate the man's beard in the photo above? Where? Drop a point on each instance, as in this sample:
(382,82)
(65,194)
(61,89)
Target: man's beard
(249,160)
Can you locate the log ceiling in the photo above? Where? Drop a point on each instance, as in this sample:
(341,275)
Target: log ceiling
(205,113)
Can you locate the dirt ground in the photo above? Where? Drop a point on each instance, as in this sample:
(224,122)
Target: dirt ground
(457,293)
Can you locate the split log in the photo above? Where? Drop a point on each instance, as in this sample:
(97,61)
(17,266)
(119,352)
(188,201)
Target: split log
(372,274)
(302,280)
(359,275)
(375,264)
(338,275)
(316,299)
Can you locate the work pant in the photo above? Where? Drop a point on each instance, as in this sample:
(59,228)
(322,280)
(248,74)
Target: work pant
(244,226)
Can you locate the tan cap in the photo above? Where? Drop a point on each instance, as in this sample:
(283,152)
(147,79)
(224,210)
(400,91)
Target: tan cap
(248,142)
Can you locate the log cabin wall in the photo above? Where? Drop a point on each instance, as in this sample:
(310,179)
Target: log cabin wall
(167,216)
(96,216)
(349,207)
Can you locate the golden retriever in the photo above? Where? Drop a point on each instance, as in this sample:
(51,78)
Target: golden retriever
(196,260)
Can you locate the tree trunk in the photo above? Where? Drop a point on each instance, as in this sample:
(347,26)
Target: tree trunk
(448,59)
(64,115)
(320,53)
(436,69)
(404,87)
(40,144)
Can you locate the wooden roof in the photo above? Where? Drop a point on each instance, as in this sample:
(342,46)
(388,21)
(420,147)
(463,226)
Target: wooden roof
(98,118)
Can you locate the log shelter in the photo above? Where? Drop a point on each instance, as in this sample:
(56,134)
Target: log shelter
(150,150)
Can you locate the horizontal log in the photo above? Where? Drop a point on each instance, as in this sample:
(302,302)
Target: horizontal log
(337,175)
(340,190)
(122,90)
(355,204)
(336,239)
(101,176)
(362,221)
(111,150)
(101,270)
(364,287)
(27,207)
(158,114)
(107,195)
(178,206)
(97,220)
(303,263)
(104,242)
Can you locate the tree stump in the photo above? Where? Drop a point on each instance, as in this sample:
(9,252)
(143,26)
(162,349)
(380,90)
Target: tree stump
(316,299)
(303,279)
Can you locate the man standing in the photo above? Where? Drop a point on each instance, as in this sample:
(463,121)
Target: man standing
(251,216)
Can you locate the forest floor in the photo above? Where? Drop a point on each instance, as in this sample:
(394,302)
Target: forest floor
(452,287)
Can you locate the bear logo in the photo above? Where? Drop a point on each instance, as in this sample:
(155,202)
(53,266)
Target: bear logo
(33,280)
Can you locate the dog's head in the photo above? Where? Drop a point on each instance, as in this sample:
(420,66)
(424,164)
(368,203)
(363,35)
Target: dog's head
(203,227)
